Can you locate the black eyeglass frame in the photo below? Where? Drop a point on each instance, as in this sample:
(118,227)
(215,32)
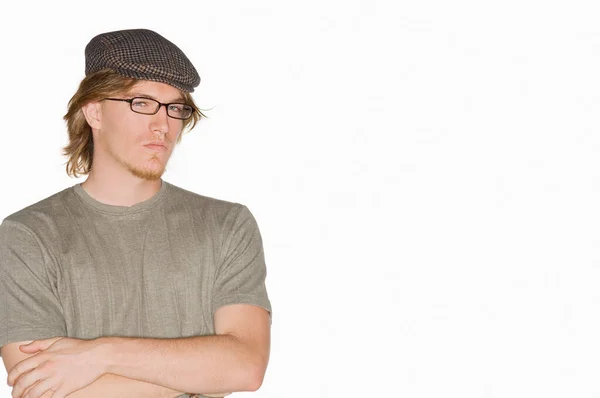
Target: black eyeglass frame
(160,104)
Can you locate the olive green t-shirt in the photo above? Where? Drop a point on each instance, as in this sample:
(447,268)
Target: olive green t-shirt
(73,266)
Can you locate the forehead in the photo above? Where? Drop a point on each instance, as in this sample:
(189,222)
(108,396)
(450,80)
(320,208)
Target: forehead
(158,91)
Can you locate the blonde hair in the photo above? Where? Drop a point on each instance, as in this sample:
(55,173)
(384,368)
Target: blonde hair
(99,85)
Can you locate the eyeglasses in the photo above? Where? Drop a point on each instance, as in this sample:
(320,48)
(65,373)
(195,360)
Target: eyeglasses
(148,106)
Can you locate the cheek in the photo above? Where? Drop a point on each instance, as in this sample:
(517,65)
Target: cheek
(125,135)
(175,128)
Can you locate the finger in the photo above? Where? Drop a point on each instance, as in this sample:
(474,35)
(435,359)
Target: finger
(29,349)
(25,382)
(38,389)
(21,368)
(38,345)
(61,392)
(26,391)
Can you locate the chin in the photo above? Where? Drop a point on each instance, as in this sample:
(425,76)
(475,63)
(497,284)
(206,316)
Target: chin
(151,172)
(150,175)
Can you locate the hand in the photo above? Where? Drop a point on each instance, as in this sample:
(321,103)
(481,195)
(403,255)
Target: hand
(62,365)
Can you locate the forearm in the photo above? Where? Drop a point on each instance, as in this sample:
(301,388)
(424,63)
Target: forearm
(111,385)
(215,363)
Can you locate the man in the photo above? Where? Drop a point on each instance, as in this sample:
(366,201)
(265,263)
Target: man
(126,285)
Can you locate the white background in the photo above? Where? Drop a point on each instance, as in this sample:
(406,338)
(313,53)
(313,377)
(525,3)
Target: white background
(425,175)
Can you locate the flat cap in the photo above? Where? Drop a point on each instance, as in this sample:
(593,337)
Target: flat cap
(141,54)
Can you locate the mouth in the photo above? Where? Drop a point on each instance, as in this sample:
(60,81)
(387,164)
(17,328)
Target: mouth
(156,147)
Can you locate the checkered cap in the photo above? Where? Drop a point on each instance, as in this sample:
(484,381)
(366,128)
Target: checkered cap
(141,54)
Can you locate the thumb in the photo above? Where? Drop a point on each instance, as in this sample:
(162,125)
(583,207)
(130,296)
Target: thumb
(37,345)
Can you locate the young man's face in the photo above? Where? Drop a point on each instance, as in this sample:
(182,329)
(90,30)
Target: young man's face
(140,144)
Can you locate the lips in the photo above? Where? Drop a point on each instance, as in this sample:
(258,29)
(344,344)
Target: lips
(156,147)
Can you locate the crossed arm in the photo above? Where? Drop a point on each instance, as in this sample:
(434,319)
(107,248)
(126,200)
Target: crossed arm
(234,359)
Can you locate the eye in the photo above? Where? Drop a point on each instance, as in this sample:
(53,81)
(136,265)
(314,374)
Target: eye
(140,103)
(176,108)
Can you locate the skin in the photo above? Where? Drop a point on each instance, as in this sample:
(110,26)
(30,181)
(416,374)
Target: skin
(125,172)
(234,359)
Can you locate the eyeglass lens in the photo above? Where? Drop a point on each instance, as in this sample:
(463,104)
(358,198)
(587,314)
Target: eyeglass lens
(149,106)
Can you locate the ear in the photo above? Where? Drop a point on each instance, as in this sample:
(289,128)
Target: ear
(93,114)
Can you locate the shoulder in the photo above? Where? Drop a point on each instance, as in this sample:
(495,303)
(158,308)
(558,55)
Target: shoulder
(39,216)
(220,209)
(225,221)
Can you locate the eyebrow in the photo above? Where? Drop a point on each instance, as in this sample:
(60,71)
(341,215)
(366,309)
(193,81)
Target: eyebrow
(179,99)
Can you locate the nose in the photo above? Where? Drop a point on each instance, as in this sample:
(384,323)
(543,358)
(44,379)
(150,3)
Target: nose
(160,120)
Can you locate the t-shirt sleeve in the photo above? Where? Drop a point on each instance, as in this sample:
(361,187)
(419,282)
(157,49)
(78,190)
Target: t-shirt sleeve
(241,271)
(29,306)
